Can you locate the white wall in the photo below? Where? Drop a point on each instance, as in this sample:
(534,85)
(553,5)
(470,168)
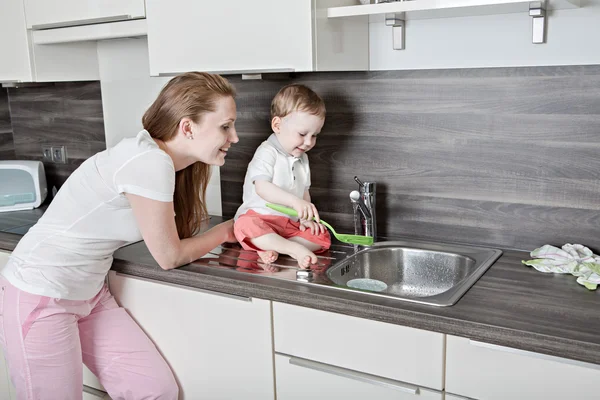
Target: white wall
(573,38)
(128,90)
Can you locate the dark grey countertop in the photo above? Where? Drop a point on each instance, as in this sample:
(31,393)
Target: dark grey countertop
(19,222)
(511,305)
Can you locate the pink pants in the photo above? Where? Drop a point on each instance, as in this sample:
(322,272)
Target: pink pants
(45,341)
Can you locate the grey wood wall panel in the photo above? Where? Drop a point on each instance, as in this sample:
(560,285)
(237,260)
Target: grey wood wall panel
(7,147)
(498,156)
(68,114)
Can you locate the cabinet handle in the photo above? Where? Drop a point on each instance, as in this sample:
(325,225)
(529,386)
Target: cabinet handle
(214,293)
(532,354)
(64,24)
(237,72)
(94,392)
(355,375)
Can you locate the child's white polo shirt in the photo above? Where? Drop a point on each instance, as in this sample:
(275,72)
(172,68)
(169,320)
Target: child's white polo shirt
(273,164)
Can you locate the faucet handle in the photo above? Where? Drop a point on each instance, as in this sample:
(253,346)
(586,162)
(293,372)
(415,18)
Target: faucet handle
(365,187)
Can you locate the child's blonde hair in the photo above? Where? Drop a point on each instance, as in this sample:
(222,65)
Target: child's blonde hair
(296,97)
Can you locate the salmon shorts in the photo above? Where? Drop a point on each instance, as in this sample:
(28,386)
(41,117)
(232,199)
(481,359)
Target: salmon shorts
(252,225)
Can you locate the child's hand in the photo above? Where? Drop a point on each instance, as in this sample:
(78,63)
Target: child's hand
(305,210)
(315,227)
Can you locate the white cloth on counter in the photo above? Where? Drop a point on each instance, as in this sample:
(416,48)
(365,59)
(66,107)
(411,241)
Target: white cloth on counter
(574,259)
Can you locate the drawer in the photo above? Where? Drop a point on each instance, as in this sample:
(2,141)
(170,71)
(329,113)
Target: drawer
(299,379)
(391,351)
(485,371)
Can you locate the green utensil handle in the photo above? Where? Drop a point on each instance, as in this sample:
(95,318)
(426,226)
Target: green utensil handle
(283,209)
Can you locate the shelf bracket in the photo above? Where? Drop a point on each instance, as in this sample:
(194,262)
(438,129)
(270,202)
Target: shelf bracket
(537,12)
(396,21)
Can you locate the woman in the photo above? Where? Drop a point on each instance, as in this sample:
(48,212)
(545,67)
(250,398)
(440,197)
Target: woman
(56,310)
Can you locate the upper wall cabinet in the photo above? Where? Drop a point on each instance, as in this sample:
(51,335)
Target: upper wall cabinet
(24,61)
(14,45)
(44,14)
(241,36)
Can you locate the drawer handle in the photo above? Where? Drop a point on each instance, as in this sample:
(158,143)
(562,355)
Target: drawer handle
(206,291)
(355,375)
(532,354)
(65,24)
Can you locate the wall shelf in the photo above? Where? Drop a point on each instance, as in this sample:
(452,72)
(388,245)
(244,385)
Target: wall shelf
(396,13)
(430,9)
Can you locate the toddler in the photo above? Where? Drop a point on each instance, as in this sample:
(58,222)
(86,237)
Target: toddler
(279,173)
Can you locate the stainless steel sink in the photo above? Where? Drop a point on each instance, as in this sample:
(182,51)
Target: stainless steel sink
(422,272)
(436,274)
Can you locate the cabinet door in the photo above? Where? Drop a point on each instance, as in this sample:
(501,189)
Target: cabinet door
(24,62)
(299,379)
(485,371)
(3,258)
(219,346)
(16,64)
(448,396)
(90,380)
(7,391)
(229,36)
(377,348)
(43,14)
(92,394)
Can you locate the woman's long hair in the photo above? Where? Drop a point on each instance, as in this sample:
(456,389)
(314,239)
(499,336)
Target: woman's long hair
(189,95)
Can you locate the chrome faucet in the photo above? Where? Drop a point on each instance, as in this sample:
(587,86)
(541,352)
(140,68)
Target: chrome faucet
(364,199)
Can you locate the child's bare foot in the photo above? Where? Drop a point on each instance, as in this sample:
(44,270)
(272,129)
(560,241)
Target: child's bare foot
(305,258)
(268,256)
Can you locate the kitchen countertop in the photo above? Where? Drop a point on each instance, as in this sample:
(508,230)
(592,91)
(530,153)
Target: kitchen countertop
(510,305)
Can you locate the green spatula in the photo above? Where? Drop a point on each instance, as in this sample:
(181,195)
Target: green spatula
(351,239)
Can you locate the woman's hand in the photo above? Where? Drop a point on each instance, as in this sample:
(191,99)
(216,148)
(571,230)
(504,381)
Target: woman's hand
(306,210)
(227,229)
(314,227)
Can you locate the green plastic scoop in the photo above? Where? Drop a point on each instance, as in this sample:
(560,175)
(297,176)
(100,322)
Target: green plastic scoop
(351,239)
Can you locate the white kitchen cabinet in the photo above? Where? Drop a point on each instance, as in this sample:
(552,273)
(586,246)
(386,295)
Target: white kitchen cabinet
(449,396)
(23,61)
(219,346)
(299,379)
(3,258)
(253,36)
(90,380)
(16,65)
(385,350)
(489,372)
(7,391)
(91,394)
(44,14)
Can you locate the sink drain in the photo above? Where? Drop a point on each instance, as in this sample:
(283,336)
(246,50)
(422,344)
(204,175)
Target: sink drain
(372,285)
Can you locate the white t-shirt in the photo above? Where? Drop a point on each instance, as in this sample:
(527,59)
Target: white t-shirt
(273,164)
(68,253)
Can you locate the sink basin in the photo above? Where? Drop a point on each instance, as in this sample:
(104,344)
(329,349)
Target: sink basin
(416,271)
(427,273)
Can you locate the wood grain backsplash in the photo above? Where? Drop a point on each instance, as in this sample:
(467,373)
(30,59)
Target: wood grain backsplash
(68,114)
(7,146)
(505,157)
